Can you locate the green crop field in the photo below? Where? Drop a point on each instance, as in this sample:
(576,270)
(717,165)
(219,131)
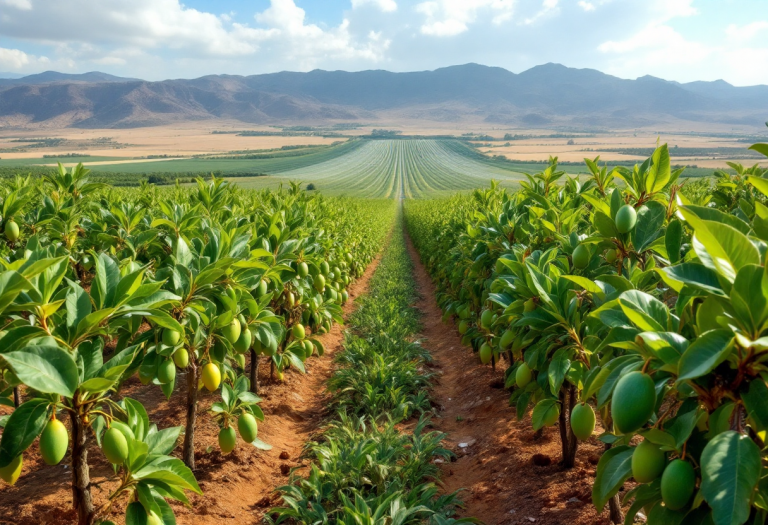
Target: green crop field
(383,168)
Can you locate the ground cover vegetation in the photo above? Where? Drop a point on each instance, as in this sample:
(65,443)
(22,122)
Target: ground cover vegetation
(632,298)
(177,287)
(366,468)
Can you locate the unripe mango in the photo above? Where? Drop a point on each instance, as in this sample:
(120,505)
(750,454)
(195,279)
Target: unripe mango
(523,375)
(677,484)
(11,472)
(648,462)
(227,440)
(633,401)
(54,442)
(582,421)
(171,337)
(166,371)
(12,231)
(486,352)
(115,446)
(298,331)
(248,428)
(243,342)
(581,256)
(232,331)
(181,358)
(626,219)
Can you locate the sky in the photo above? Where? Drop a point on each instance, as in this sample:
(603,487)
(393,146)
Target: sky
(682,40)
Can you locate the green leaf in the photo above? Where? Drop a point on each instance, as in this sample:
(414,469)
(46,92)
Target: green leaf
(613,469)
(585,283)
(650,220)
(25,424)
(704,354)
(755,402)
(558,367)
(163,441)
(673,240)
(545,410)
(645,311)
(730,470)
(660,171)
(695,275)
(47,369)
(760,148)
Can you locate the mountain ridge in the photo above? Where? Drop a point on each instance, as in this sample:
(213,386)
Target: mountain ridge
(546,95)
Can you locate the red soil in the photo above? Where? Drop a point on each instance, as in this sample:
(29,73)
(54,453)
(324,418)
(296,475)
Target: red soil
(497,456)
(237,488)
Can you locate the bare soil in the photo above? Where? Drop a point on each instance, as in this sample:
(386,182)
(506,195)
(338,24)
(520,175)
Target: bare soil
(508,476)
(237,488)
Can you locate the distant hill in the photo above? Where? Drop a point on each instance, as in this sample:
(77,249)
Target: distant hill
(546,95)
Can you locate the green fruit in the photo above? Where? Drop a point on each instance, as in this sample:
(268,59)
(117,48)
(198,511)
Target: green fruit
(529,305)
(486,352)
(308,347)
(246,425)
(240,360)
(232,331)
(581,256)
(211,376)
(298,331)
(507,338)
(11,472)
(677,484)
(261,289)
(523,375)
(303,269)
(290,300)
(166,372)
(344,296)
(115,446)
(325,268)
(582,421)
(463,326)
(12,231)
(552,416)
(633,402)
(486,318)
(243,342)
(464,312)
(611,256)
(54,442)
(171,337)
(648,462)
(626,218)
(319,283)
(227,440)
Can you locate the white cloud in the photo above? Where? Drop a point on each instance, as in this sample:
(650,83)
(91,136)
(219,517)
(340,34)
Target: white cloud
(17,60)
(24,5)
(748,31)
(452,17)
(586,6)
(388,6)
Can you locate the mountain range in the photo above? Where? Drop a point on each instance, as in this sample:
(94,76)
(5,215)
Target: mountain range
(549,95)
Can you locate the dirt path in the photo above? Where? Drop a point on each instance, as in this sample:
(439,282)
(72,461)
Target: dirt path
(494,451)
(237,488)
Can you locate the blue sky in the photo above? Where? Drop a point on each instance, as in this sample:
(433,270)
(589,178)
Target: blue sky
(681,40)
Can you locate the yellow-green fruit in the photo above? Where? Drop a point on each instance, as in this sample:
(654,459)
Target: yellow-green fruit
(11,230)
(280,376)
(648,462)
(463,326)
(232,331)
(171,337)
(325,268)
(290,300)
(552,416)
(11,472)
(582,421)
(486,352)
(154,519)
(227,439)
(677,484)
(626,218)
(344,296)
(211,376)
(298,331)
(486,318)
(611,256)
(507,338)
(181,358)
(261,289)
(115,446)
(633,401)
(240,360)
(529,305)
(166,372)
(248,428)
(243,342)
(308,347)
(54,442)
(581,256)
(523,375)
(319,282)
(303,269)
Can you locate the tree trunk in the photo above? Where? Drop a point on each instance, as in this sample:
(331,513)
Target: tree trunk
(81,478)
(16,397)
(189,432)
(254,372)
(568,440)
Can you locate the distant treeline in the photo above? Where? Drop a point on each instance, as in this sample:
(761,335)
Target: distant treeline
(126,179)
(677,151)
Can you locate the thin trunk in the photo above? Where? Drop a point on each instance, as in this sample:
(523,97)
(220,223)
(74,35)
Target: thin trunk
(16,397)
(254,372)
(81,478)
(614,504)
(568,440)
(189,432)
